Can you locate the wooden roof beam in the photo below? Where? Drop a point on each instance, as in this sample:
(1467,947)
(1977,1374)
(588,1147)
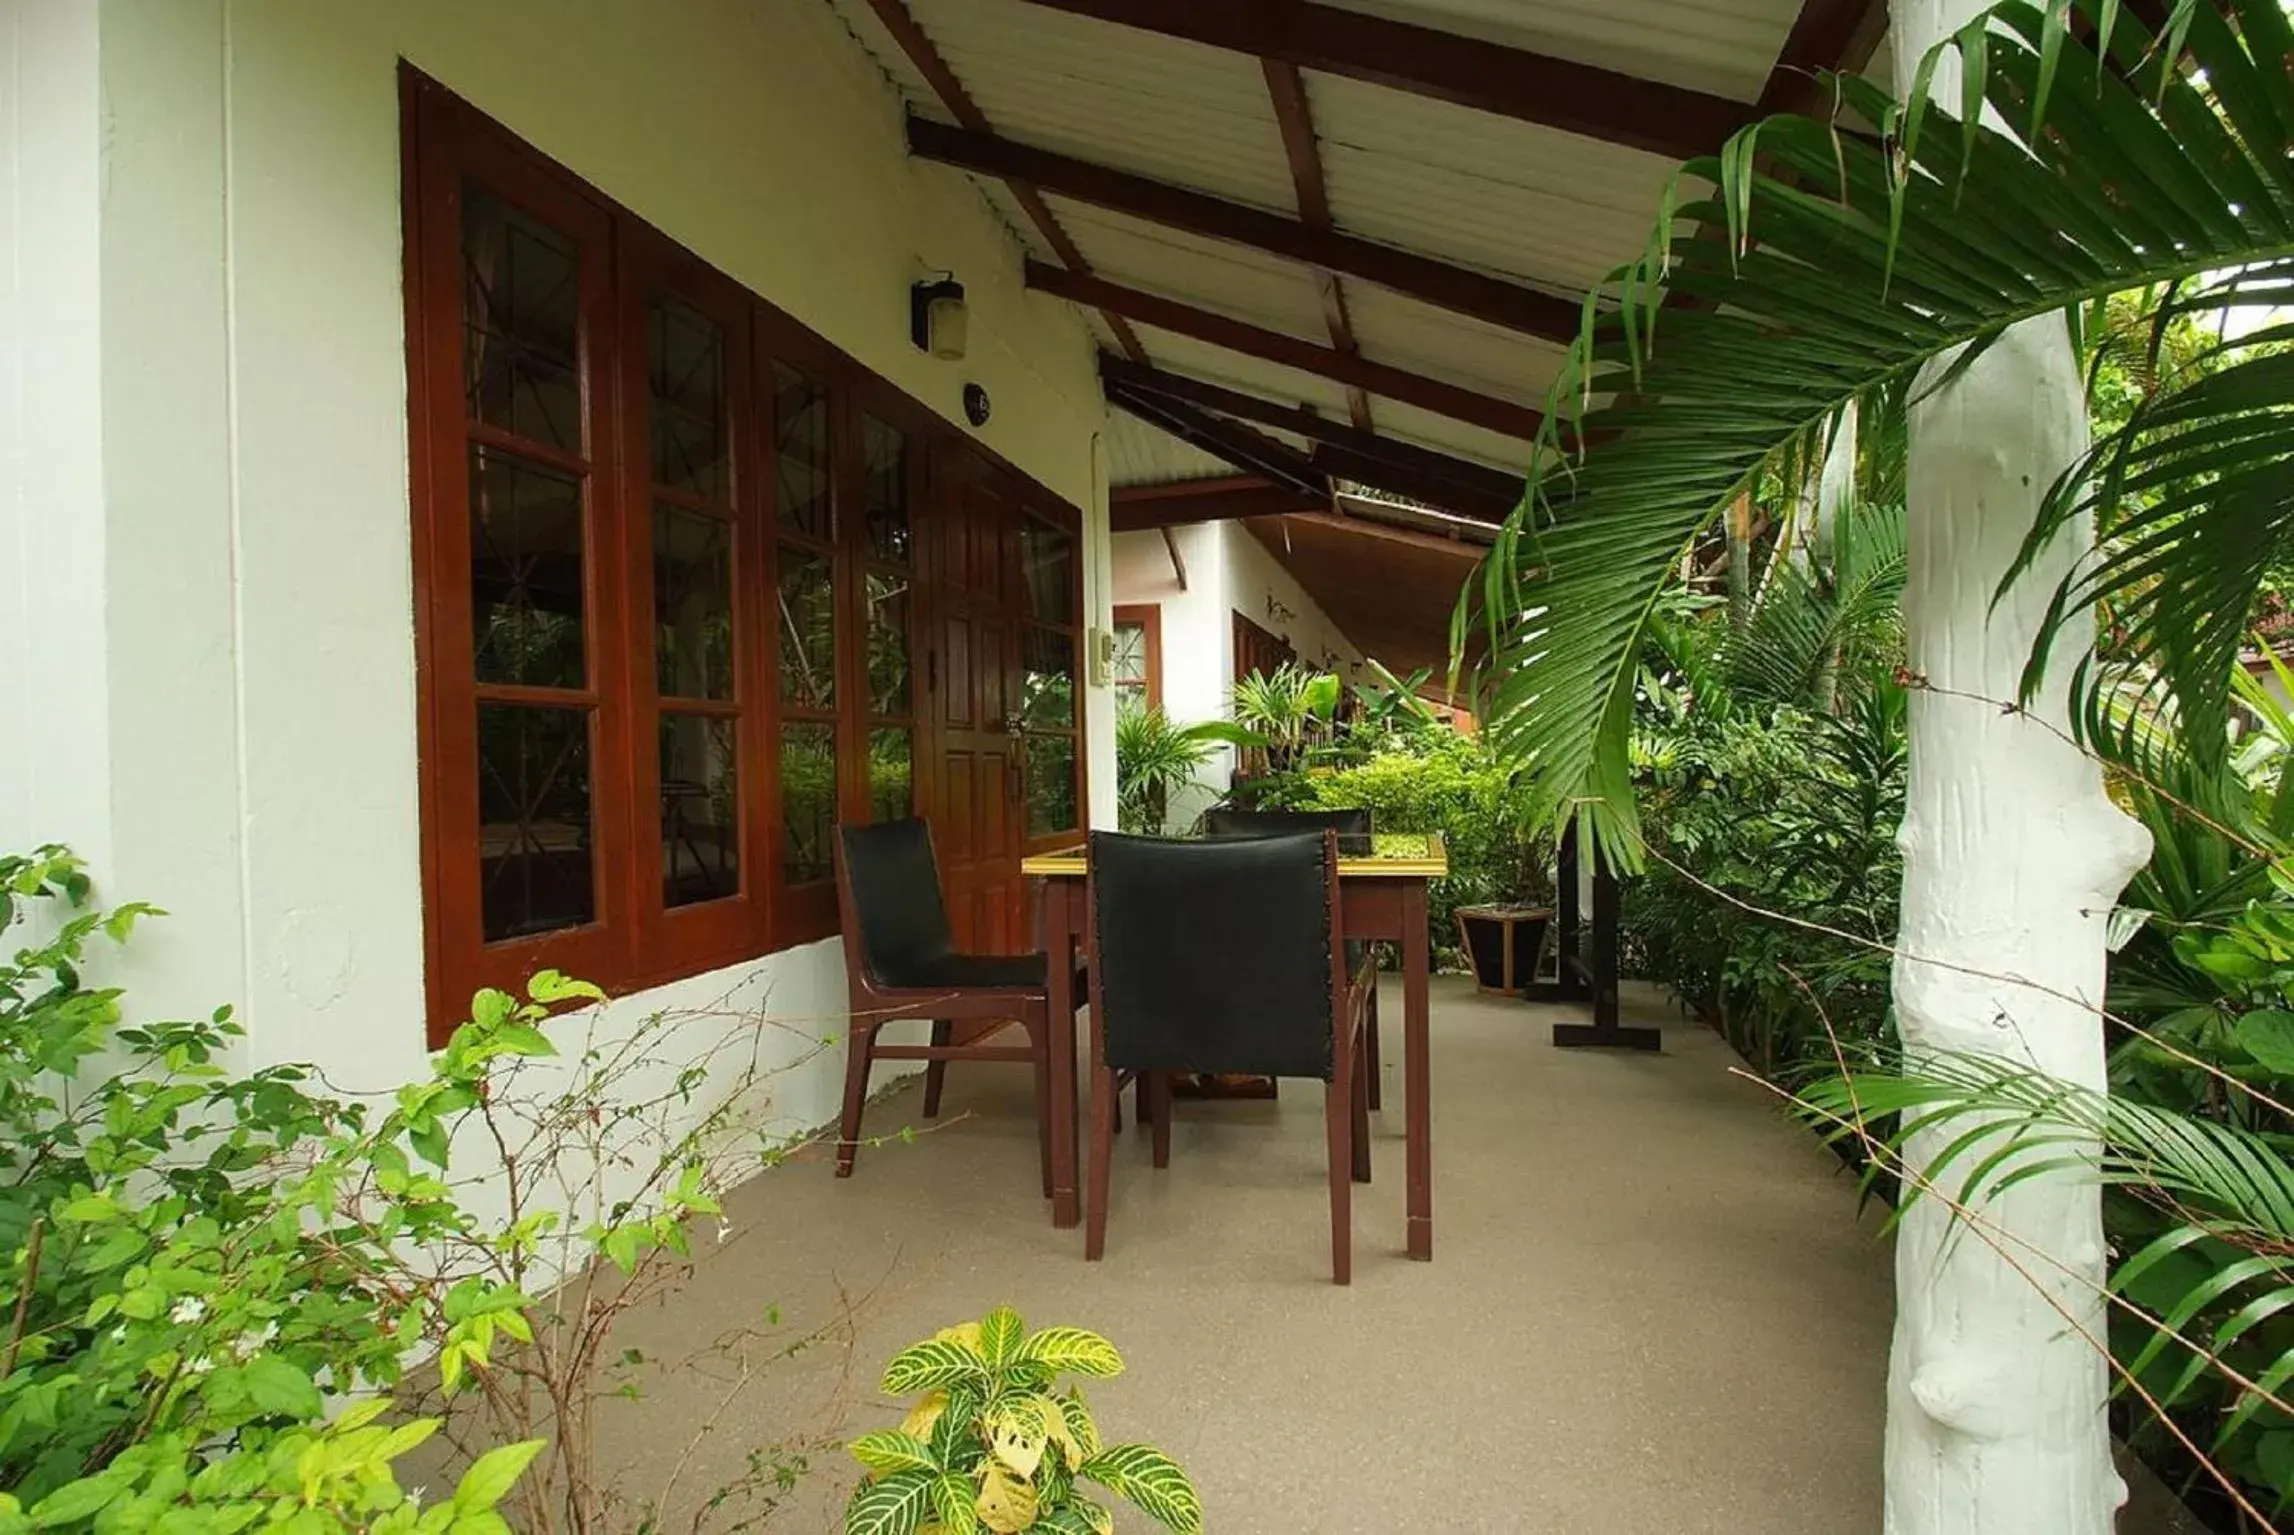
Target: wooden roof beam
(1294,117)
(1442,398)
(1465,71)
(1423,474)
(1827,34)
(1145,507)
(1251,451)
(1502,303)
(921,53)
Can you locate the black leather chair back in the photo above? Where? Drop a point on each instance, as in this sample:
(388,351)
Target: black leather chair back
(1352,826)
(1215,956)
(895,883)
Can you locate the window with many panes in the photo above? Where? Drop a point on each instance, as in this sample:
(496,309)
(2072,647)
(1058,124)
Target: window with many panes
(670,589)
(1136,661)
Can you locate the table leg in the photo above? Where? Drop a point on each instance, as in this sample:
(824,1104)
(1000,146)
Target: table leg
(1417,1070)
(1055,933)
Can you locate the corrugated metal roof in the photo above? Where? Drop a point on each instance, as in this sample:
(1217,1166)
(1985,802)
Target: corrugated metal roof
(1134,100)
(1725,47)
(1141,454)
(1541,207)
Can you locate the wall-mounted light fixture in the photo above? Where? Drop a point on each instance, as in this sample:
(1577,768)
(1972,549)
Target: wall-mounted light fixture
(936,317)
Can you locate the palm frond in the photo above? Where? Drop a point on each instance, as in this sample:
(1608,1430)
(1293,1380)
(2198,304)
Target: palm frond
(1877,257)
(1824,616)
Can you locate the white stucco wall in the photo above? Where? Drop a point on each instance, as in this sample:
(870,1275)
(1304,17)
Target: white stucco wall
(1228,572)
(204,431)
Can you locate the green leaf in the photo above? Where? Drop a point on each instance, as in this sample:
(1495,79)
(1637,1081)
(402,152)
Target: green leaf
(955,1501)
(890,1450)
(894,1506)
(933,1363)
(1001,1334)
(493,1474)
(76,1501)
(1151,1482)
(2267,1034)
(280,1388)
(1073,1351)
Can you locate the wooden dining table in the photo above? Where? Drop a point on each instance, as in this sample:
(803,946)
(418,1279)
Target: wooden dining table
(1382,896)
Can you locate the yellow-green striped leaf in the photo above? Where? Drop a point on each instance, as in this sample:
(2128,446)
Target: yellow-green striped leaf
(1151,1482)
(933,1363)
(894,1506)
(1001,1334)
(1073,1351)
(890,1450)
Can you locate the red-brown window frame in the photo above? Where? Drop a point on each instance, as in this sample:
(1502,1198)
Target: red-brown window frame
(638,941)
(1148,618)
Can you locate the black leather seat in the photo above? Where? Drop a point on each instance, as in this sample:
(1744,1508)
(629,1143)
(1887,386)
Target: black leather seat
(1225,956)
(901,961)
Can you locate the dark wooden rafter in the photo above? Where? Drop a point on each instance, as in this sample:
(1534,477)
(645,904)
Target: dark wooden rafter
(1827,34)
(1136,508)
(1246,448)
(1294,117)
(1598,103)
(1442,398)
(1401,468)
(958,101)
(1494,299)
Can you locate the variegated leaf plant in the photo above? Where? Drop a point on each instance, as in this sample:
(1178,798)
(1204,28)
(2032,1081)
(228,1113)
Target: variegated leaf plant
(992,1444)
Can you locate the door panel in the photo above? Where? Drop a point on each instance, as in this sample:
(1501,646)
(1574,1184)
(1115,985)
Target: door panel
(975,687)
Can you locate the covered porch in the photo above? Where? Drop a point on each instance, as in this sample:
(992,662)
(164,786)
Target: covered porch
(1654,1306)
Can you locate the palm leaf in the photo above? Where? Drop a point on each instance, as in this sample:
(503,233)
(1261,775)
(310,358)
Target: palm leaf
(1878,257)
(1821,619)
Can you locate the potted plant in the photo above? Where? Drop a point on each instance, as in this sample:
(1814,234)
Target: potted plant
(1504,941)
(992,1445)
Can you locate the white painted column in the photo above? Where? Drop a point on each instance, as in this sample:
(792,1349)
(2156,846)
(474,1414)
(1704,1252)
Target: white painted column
(2013,857)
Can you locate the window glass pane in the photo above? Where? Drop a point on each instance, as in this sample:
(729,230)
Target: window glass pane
(1047,561)
(800,453)
(884,453)
(692,604)
(888,644)
(1049,702)
(1130,665)
(685,373)
(534,865)
(526,591)
(807,628)
(1051,785)
(891,775)
(808,801)
(700,809)
(521,309)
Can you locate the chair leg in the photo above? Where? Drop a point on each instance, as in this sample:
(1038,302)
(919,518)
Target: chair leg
(1338,1122)
(1370,1050)
(1159,1098)
(1103,1094)
(1042,1045)
(936,1073)
(1359,1131)
(857,1051)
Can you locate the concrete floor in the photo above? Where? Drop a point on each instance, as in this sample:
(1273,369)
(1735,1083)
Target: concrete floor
(1653,1305)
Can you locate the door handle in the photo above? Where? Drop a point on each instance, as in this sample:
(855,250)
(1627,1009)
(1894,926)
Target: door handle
(1013,725)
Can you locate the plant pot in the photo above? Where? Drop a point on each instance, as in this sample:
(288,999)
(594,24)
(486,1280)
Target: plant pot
(1503,943)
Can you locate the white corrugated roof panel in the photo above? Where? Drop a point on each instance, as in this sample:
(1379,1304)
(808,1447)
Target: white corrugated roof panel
(1533,203)
(1444,344)
(1141,454)
(1137,101)
(1724,47)
(1209,274)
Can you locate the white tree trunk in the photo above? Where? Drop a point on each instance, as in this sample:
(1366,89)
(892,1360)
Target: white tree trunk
(2013,858)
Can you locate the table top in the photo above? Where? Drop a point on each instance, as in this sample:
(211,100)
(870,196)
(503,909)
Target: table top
(1395,855)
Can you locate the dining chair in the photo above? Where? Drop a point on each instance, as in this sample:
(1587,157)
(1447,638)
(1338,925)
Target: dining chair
(1355,840)
(901,961)
(1224,956)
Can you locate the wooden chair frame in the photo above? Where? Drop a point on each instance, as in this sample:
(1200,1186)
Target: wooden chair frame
(983,1012)
(1346,1096)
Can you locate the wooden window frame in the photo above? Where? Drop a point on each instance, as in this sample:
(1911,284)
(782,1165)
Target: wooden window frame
(637,940)
(1148,618)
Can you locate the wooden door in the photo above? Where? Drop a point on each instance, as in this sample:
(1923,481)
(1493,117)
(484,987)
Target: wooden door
(974,680)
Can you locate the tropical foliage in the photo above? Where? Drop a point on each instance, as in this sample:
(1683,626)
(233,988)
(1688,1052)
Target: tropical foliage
(1156,760)
(993,1444)
(1850,264)
(216,1279)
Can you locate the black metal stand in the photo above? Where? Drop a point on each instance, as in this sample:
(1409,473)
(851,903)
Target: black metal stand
(1589,977)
